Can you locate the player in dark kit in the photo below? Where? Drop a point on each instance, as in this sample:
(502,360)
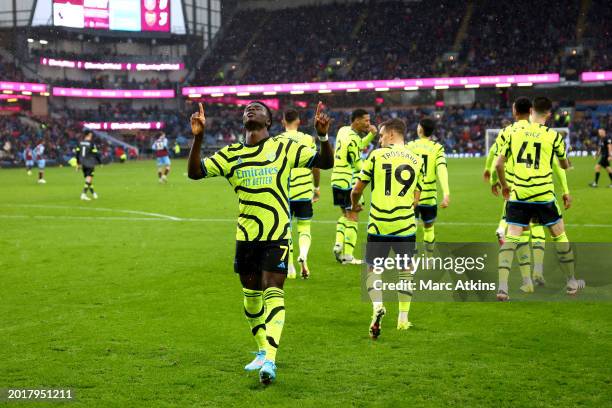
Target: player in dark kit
(259,171)
(605,156)
(88,157)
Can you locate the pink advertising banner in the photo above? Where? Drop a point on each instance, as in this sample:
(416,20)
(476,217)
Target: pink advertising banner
(111,66)
(113,93)
(23,87)
(596,76)
(123,125)
(375,85)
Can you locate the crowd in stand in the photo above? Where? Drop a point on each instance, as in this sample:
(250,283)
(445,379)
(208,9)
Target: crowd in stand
(58,136)
(398,39)
(598,35)
(459,129)
(584,130)
(344,41)
(404,40)
(9,72)
(505,38)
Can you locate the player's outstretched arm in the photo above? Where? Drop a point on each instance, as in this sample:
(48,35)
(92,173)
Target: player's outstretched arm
(322,123)
(194,163)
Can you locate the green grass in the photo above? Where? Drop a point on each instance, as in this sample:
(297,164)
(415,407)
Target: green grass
(132,309)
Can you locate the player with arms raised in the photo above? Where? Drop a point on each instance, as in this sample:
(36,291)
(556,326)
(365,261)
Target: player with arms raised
(259,171)
(605,156)
(434,169)
(347,164)
(532,148)
(395,174)
(303,192)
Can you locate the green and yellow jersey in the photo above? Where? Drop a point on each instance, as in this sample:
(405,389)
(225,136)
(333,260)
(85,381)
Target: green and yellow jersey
(494,153)
(434,169)
(395,172)
(347,157)
(532,149)
(259,174)
(301,183)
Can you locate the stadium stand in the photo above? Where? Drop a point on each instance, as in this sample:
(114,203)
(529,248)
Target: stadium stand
(402,40)
(333,41)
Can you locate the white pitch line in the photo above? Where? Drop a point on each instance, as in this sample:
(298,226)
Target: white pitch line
(232,220)
(80,218)
(67,207)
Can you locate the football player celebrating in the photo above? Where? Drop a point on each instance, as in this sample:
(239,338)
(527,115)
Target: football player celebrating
(531,198)
(259,170)
(303,191)
(347,164)
(434,171)
(395,174)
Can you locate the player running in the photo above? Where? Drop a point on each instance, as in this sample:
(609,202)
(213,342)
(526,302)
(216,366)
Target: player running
(303,191)
(88,156)
(435,170)
(39,152)
(395,173)
(162,152)
(532,148)
(605,157)
(347,164)
(28,158)
(259,172)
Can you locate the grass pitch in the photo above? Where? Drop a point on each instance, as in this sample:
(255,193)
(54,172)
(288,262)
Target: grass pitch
(131,300)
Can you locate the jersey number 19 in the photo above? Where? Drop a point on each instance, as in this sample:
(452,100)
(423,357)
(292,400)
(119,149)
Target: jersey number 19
(398,177)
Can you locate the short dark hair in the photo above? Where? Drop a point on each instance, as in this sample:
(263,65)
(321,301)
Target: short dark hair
(267,110)
(396,125)
(291,115)
(542,104)
(357,113)
(428,125)
(522,105)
